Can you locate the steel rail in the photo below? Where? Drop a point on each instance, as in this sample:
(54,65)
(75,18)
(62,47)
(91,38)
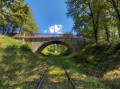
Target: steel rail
(42,79)
(69,78)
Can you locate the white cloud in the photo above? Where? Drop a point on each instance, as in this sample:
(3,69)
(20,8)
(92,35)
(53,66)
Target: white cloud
(51,29)
(56,28)
(45,31)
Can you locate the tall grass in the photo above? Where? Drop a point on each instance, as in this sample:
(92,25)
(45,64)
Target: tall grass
(19,66)
(101,61)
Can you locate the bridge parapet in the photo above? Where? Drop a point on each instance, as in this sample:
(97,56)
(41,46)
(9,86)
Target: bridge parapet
(38,35)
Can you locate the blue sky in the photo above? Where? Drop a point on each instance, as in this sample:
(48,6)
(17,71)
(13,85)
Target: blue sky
(51,16)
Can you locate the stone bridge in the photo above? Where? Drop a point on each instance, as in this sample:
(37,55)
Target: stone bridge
(40,41)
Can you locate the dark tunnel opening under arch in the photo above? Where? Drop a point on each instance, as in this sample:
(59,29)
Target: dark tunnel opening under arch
(54,42)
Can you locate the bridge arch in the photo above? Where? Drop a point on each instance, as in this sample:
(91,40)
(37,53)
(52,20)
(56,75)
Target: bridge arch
(41,47)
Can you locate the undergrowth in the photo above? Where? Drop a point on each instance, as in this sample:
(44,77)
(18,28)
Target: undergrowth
(19,66)
(101,61)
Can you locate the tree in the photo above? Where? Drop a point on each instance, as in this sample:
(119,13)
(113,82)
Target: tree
(86,15)
(16,17)
(115,5)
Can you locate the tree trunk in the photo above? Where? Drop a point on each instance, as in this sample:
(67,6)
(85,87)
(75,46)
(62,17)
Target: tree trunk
(14,28)
(107,33)
(96,35)
(95,27)
(119,30)
(1,5)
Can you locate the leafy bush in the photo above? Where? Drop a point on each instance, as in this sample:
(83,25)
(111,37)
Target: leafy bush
(117,46)
(66,53)
(21,48)
(25,48)
(12,47)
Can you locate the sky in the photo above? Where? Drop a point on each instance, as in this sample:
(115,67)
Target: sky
(51,16)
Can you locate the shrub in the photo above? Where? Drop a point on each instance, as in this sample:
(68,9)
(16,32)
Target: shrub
(11,48)
(24,48)
(66,53)
(117,47)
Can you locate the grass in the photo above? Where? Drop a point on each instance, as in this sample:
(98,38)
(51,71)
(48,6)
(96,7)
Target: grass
(101,61)
(19,66)
(19,69)
(57,79)
(94,67)
(7,41)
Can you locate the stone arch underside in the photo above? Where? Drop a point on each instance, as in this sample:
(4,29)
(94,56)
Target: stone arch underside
(41,47)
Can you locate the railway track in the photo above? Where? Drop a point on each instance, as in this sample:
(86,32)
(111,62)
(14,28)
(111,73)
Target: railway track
(42,79)
(69,78)
(45,74)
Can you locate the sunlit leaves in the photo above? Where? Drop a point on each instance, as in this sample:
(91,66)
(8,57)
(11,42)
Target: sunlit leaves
(86,15)
(16,17)
(95,17)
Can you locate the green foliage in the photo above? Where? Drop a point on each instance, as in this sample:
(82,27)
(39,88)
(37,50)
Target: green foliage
(104,59)
(86,15)
(7,41)
(18,65)
(54,49)
(12,47)
(99,18)
(76,71)
(21,48)
(18,68)
(25,48)
(66,53)
(21,68)
(16,16)
(114,5)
